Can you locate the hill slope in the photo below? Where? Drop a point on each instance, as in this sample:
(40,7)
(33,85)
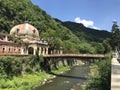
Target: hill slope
(14,12)
(85,33)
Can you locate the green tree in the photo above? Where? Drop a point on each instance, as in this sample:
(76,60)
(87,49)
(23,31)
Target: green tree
(115,40)
(100,78)
(69,47)
(107,47)
(85,47)
(99,48)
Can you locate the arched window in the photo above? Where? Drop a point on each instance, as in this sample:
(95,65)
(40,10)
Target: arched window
(34,31)
(17,31)
(9,49)
(3,48)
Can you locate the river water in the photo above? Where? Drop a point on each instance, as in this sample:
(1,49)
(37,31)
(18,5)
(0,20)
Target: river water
(71,80)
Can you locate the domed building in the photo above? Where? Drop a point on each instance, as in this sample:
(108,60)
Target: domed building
(25,31)
(25,38)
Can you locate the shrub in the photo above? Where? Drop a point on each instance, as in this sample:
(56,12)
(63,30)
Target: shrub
(102,79)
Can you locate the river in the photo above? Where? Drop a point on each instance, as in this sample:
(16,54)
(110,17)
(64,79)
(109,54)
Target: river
(71,80)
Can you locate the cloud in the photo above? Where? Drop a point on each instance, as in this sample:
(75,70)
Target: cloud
(87,23)
(94,27)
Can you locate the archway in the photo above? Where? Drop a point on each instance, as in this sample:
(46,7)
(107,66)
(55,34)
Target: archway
(30,50)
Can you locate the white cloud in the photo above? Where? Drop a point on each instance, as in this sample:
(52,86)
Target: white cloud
(95,27)
(87,23)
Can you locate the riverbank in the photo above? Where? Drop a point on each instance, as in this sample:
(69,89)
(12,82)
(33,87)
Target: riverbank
(68,80)
(99,76)
(29,81)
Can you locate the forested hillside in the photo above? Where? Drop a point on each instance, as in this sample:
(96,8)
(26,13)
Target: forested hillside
(14,12)
(69,36)
(83,32)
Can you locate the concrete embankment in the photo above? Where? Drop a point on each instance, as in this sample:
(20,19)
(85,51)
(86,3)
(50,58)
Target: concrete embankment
(115,74)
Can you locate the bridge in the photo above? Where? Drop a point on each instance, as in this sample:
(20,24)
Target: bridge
(76,56)
(65,56)
(70,59)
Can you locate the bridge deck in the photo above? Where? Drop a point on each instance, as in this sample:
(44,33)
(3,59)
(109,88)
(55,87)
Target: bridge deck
(75,56)
(115,75)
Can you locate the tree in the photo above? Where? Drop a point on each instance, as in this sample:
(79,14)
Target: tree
(100,76)
(114,27)
(85,47)
(107,46)
(115,40)
(99,48)
(69,47)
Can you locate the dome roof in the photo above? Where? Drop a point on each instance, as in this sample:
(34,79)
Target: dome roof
(24,29)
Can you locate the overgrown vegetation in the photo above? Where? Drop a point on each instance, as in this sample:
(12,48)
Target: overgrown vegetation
(27,81)
(24,73)
(15,66)
(100,76)
(24,82)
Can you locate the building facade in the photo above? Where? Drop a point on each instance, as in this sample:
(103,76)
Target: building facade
(23,40)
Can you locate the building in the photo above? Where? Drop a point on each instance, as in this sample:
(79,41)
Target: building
(7,46)
(23,39)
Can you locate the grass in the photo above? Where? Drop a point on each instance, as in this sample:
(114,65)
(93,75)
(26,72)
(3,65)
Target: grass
(61,69)
(28,81)
(25,82)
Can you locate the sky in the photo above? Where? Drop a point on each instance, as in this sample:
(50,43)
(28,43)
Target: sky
(97,14)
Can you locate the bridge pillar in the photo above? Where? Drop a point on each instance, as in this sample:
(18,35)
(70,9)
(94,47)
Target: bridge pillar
(47,67)
(64,62)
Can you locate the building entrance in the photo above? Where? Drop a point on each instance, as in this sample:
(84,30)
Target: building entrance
(30,50)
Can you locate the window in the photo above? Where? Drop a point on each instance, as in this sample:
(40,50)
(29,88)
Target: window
(14,49)
(34,31)
(9,49)
(1,38)
(24,50)
(3,48)
(10,39)
(17,31)
(19,49)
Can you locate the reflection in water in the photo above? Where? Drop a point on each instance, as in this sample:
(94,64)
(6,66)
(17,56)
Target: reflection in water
(71,80)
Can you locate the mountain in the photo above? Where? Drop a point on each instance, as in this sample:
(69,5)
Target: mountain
(85,33)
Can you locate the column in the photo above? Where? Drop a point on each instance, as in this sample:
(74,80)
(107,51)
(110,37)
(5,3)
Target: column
(27,51)
(22,50)
(47,50)
(6,38)
(34,52)
(39,50)
(61,51)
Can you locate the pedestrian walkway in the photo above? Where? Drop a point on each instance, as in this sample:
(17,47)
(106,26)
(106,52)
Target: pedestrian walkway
(115,75)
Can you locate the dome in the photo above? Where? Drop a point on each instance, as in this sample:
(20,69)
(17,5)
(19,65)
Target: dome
(24,29)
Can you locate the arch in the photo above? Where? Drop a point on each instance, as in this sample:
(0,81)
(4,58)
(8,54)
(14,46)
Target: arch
(45,50)
(30,50)
(41,50)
